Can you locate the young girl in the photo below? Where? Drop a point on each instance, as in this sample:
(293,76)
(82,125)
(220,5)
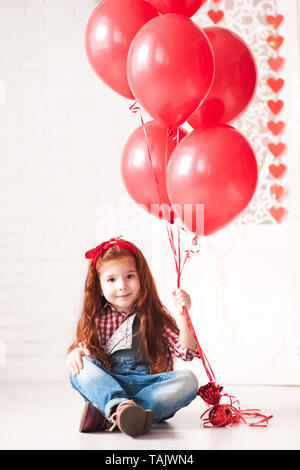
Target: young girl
(121,362)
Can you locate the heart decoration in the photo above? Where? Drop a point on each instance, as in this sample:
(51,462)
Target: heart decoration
(277,170)
(275,63)
(275,106)
(274,21)
(275,41)
(275,127)
(277,212)
(276,191)
(275,84)
(276,149)
(216,16)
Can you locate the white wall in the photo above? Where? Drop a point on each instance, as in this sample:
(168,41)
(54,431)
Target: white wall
(61,136)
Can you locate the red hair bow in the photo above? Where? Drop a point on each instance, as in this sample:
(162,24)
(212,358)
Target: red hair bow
(95,252)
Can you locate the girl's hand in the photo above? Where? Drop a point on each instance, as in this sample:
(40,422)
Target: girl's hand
(74,362)
(181,299)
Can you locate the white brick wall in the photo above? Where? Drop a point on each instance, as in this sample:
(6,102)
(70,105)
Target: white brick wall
(61,137)
(52,133)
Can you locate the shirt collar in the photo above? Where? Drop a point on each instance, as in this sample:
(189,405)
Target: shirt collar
(108,305)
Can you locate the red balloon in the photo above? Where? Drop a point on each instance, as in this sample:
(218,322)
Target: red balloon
(109,32)
(170,68)
(145,179)
(182,7)
(216,167)
(234,82)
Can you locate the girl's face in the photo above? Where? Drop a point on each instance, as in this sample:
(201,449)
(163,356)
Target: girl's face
(120,283)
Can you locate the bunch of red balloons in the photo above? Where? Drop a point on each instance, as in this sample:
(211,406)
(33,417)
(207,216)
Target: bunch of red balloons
(153,53)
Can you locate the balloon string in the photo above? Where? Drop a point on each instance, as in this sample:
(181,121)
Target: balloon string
(171,241)
(177,254)
(136,109)
(179,268)
(204,359)
(236,414)
(179,257)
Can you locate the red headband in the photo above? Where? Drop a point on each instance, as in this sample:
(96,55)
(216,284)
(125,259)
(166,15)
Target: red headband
(95,252)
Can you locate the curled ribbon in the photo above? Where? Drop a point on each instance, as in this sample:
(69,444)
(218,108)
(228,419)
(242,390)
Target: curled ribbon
(227,414)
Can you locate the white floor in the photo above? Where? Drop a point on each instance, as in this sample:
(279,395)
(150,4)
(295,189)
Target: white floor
(45,416)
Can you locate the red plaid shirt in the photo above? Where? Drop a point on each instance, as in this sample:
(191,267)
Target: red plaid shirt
(110,319)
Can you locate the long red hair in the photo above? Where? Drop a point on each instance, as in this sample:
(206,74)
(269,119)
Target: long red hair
(152,314)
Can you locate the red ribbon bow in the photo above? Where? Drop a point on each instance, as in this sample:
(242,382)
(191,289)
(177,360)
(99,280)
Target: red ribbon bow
(95,252)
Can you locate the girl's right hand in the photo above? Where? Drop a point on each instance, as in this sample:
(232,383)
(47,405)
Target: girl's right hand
(74,360)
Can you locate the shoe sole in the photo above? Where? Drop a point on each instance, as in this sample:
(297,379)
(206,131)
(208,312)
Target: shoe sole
(135,421)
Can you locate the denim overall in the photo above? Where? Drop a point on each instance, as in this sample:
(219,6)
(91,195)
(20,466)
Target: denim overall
(130,378)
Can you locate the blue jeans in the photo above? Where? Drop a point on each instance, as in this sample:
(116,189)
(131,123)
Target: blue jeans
(164,393)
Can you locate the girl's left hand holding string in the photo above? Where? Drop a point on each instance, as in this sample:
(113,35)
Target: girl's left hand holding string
(181,299)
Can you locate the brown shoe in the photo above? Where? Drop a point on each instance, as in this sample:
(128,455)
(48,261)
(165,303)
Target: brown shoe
(92,419)
(132,419)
